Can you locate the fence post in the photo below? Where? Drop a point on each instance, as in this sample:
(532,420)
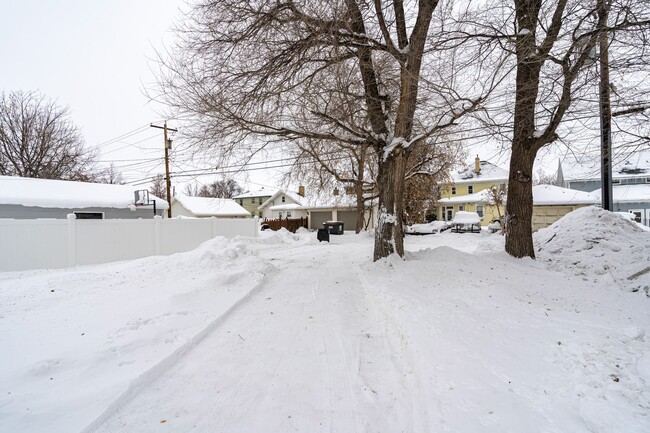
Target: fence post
(72,240)
(157,221)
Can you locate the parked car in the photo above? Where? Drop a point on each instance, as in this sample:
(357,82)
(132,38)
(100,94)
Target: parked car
(428,228)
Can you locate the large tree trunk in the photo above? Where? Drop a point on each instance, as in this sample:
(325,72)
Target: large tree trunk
(519,208)
(384,240)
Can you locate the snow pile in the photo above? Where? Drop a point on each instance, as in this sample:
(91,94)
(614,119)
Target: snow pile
(602,246)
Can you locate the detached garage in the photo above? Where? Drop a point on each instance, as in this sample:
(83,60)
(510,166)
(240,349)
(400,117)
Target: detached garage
(550,203)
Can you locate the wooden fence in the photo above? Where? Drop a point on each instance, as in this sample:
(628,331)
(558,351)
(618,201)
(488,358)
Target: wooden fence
(291,224)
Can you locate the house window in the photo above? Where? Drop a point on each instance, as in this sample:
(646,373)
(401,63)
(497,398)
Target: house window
(260,200)
(241,202)
(616,181)
(479,210)
(470,189)
(280,214)
(283,199)
(89,215)
(461,207)
(288,214)
(453,190)
(647,180)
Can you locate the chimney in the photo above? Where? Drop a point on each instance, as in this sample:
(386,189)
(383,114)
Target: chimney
(301,191)
(477,165)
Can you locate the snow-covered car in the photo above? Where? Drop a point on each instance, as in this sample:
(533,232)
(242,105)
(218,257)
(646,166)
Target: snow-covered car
(465,221)
(428,228)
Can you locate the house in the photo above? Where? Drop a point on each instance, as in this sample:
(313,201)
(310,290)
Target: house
(550,203)
(282,204)
(206,207)
(469,190)
(252,200)
(28,198)
(630,181)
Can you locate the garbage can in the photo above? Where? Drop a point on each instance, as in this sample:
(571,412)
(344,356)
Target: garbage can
(334,227)
(323,235)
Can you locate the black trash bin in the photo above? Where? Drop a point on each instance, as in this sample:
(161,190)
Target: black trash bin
(323,235)
(334,227)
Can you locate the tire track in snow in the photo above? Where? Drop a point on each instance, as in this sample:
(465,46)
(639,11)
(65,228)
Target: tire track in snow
(238,379)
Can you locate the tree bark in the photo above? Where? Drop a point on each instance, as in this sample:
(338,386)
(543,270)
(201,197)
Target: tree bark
(519,208)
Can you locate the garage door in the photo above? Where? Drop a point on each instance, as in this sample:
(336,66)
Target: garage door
(316,219)
(544,216)
(349,219)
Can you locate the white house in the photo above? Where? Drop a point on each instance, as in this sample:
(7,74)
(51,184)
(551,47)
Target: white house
(283,204)
(206,207)
(29,198)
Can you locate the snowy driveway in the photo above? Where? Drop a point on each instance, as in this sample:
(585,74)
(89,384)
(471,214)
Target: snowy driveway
(285,334)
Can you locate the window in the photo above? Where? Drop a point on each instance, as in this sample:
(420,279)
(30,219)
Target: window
(283,199)
(479,210)
(461,207)
(89,215)
(647,180)
(288,214)
(260,200)
(470,189)
(616,181)
(241,202)
(280,214)
(453,190)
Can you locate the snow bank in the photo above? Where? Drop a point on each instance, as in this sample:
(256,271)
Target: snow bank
(599,245)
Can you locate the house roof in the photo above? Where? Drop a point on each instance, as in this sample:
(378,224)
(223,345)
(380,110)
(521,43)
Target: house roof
(627,193)
(489,172)
(262,192)
(555,195)
(209,206)
(65,194)
(542,195)
(624,165)
(294,197)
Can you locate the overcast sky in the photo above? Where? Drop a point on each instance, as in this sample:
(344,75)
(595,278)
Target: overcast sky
(94,56)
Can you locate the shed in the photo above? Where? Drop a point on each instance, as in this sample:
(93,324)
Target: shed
(29,198)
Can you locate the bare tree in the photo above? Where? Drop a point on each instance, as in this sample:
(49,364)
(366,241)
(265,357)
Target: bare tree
(37,139)
(554,42)
(227,188)
(109,175)
(249,72)
(159,187)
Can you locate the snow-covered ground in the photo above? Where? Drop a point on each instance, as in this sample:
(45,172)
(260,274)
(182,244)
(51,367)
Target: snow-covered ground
(282,333)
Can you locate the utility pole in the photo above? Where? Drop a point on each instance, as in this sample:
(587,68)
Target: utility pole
(168,181)
(607,199)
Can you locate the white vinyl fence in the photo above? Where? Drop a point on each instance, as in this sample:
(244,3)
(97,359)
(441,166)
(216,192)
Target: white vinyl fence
(56,243)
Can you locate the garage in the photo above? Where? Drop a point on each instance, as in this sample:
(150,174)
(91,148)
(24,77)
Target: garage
(317,218)
(349,219)
(544,216)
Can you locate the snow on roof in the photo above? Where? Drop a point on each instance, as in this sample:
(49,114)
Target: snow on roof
(489,172)
(286,206)
(555,195)
(627,193)
(587,167)
(257,193)
(464,217)
(65,194)
(478,197)
(294,197)
(209,206)
(542,195)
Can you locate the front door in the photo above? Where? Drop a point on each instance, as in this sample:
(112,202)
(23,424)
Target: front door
(449,214)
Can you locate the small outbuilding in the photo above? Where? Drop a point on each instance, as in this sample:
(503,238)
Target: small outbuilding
(207,207)
(30,198)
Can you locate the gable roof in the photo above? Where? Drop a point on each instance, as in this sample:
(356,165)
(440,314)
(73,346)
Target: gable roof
(66,194)
(489,173)
(555,195)
(294,197)
(209,206)
(262,192)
